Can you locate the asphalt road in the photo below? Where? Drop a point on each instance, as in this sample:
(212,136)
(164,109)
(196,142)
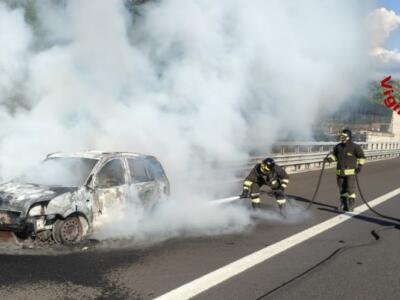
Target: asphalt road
(363,268)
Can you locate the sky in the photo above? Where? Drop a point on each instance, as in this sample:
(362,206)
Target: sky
(394,40)
(385,23)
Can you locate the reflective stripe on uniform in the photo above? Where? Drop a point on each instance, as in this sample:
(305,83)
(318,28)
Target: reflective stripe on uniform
(349,172)
(255,195)
(344,195)
(346,172)
(274,181)
(284,185)
(352,196)
(247,183)
(361,161)
(281,201)
(255,200)
(333,157)
(285,180)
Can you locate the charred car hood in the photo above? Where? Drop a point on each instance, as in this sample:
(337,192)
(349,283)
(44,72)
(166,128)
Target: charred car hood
(20,196)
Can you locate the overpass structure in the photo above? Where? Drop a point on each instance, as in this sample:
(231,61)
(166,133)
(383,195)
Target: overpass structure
(393,134)
(305,155)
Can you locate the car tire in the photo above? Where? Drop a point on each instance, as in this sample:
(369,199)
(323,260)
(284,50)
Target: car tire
(68,231)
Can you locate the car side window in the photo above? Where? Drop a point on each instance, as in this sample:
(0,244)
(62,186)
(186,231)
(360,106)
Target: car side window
(112,174)
(137,168)
(156,168)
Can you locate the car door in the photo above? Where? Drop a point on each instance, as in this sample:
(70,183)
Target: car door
(142,179)
(161,179)
(110,188)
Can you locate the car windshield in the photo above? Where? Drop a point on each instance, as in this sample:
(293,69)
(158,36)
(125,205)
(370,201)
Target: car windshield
(59,171)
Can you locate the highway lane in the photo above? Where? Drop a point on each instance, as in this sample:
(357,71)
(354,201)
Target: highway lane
(366,269)
(152,271)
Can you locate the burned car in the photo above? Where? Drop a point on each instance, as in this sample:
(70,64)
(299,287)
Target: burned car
(63,199)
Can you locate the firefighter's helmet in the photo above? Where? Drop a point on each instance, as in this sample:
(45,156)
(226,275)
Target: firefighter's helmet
(267,165)
(345,135)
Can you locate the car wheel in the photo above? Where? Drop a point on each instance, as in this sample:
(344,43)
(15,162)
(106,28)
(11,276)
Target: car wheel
(71,230)
(68,231)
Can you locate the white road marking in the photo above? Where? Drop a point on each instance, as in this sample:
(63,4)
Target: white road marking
(209,280)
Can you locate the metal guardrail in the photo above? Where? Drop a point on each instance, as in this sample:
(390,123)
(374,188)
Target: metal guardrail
(300,156)
(297,161)
(308,147)
(296,156)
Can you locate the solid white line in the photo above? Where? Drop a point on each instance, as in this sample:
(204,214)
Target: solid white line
(209,280)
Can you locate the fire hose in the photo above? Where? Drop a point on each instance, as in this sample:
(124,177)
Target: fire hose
(318,183)
(340,250)
(359,189)
(370,208)
(312,201)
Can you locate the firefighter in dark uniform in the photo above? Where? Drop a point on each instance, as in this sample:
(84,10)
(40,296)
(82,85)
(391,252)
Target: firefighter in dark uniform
(266,173)
(350,158)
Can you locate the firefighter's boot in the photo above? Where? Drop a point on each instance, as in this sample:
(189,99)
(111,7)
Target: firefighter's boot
(351,204)
(281,203)
(255,203)
(343,204)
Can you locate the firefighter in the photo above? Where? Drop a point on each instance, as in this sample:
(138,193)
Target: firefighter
(266,173)
(350,158)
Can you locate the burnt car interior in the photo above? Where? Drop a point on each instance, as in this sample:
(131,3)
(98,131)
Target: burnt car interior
(112,174)
(59,171)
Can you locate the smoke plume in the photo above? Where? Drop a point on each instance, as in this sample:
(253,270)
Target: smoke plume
(191,82)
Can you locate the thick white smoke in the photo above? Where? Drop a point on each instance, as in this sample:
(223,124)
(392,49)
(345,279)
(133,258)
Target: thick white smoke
(15,39)
(171,219)
(191,82)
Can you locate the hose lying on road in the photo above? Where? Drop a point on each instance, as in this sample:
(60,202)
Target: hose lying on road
(370,208)
(328,258)
(312,201)
(360,191)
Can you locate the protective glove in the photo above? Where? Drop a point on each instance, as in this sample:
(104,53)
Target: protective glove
(275,185)
(359,168)
(328,159)
(245,194)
